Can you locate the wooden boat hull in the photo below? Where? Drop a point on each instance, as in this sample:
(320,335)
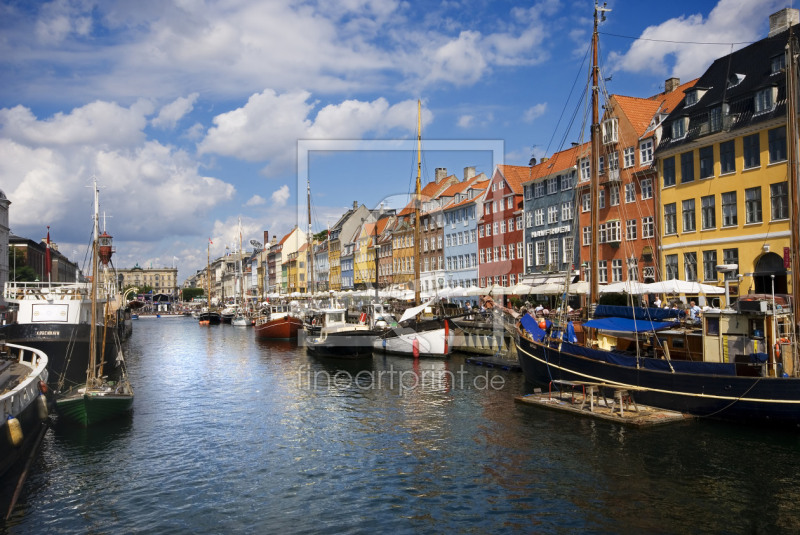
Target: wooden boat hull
(283,328)
(342,344)
(426,339)
(89,409)
(20,399)
(210,318)
(700,392)
(64,344)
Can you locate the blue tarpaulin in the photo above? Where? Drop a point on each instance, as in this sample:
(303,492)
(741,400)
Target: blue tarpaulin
(530,325)
(639,313)
(628,325)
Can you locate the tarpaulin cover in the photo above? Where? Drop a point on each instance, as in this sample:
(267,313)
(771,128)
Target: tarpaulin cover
(639,313)
(629,325)
(680,366)
(530,325)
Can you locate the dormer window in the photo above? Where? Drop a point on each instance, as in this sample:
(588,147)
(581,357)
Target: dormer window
(735,79)
(679,127)
(610,131)
(765,99)
(693,96)
(715,119)
(777,64)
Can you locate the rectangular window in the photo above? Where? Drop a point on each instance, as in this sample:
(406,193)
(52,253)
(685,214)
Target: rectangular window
(731,256)
(671,266)
(752,151)
(568,248)
(539,189)
(688,216)
(586,202)
(587,235)
(613,160)
(614,230)
(541,254)
(727,157)
(633,268)
(709,266)
(765,100)
(519,249)
(630,192)
(602,271)
(628,158)
(601,198)
(729,215)
(646,151)
(616,270)
(519,222)
(527,192)
(679,127)
(552,214)
(648,228)
(647,188)
(566,211)
(503,226)
(610,131)
(779,200)
(613,196)
(715,119)
(669,171)
(552,185)
(567,181)
(530,259)
(752,205)
(690,266)
(687,167)
(553,252)
(586,170)
(708,212)
(706,161)
(539,217)
(509,203)
(630,229)
(529,219)
(777,144)
(670,224)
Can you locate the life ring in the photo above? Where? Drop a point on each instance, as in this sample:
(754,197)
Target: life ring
(777,350)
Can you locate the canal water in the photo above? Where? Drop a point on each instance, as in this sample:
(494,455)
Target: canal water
(233,435)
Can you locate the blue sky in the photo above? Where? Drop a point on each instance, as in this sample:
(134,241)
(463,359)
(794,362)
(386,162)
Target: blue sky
(190,112)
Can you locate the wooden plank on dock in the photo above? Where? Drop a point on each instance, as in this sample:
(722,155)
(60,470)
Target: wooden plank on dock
(579,404)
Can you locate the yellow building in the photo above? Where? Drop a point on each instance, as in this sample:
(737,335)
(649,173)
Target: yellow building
(724,201)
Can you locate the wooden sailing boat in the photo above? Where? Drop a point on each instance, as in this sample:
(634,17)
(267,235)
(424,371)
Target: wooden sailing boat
(746,369)
(241,318)
(98,399)
(209,316)
(413,337)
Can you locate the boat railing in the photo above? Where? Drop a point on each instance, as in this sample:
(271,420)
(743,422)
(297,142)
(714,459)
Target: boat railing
(18,397)
(18,291)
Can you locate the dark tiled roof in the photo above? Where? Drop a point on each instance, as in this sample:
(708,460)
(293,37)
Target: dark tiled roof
(754,63)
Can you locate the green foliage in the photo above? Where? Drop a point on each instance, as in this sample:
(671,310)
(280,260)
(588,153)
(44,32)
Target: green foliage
(321,236)
(22,274)
(187,294)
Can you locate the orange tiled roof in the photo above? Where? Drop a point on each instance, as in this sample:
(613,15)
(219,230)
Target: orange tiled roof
(515,175)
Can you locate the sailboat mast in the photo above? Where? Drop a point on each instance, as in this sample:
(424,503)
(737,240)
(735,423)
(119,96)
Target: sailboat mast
(90,374)
(417,195)
(793,157)
(310,253)
(595,167)
(208,276)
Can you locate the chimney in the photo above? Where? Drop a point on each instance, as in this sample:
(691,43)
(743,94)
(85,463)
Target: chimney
(671,84)
(266,238)
(441,174)
(780,21)
(469,172)
(355,205)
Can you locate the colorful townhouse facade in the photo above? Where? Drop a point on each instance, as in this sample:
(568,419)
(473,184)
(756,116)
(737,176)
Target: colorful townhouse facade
(724,193)
(500,228)
(461,234)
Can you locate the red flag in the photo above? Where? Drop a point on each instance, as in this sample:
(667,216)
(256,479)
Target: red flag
(47,260)
(211,242)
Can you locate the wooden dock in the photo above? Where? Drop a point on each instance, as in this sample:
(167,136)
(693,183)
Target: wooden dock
(588,400)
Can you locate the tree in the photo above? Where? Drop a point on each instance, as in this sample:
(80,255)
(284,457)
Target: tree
(18,271)
(187,294)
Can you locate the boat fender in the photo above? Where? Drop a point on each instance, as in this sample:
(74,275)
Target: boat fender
(14,431)
(415,348)
(43,387)
(41,407)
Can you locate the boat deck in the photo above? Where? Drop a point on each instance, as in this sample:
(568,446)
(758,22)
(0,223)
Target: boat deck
(11,373)
(589,400)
